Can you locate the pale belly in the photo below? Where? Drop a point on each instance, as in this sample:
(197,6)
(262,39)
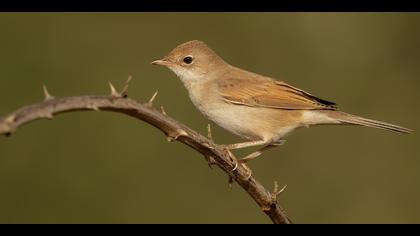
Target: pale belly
(251,123)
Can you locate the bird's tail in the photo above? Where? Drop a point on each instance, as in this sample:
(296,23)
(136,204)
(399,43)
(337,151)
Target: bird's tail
(346,118)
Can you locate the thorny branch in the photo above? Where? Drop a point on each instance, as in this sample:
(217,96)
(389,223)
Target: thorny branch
(173,129)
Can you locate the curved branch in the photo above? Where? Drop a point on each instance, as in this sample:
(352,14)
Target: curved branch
(174,130)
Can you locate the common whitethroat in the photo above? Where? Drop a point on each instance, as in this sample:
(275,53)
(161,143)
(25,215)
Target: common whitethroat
(255,107)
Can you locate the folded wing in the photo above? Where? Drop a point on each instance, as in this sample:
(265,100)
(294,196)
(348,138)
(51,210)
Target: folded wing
(264,92)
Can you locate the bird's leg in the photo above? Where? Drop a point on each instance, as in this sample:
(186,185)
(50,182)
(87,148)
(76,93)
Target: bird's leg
(243,161)
(236,165)
(242,145)
(260,151)
(255,154)
(233,159)
(245,144)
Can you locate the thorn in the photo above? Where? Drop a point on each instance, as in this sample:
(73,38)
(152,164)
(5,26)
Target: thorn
(211,144)
(93,107)
(48,116)
(125,88)
(150,103)
(265,208)
(276,187)
(7,126)
(114,92)
(209,134)
(230,181)
(10,119)
(178,133)
(163,110)
(276,191)
(210,161)
(282,189)
(46,93)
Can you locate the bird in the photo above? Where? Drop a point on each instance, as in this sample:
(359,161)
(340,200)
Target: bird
(260,109)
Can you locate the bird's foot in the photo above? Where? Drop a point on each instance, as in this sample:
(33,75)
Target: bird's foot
(236,163)
(232,158)
(210,161)
(248,171)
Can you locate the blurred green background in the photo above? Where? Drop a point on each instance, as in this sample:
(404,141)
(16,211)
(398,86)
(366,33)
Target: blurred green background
(98,167)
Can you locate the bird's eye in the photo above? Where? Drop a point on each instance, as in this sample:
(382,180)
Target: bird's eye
(188,60)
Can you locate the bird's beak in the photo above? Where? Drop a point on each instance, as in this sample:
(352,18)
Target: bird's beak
(161,62)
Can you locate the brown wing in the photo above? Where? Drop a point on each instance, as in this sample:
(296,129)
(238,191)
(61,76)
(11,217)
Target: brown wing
(264,92)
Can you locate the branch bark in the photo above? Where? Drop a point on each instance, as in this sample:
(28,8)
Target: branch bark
(173,129)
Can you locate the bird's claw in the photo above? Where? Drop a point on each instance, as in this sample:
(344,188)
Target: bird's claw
(236,162)
(243,164)
(247,170)
(236,166)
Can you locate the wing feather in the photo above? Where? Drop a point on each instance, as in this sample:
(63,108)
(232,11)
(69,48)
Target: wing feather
(265,92)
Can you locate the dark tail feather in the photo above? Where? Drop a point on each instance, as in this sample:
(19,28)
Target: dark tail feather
(357,120)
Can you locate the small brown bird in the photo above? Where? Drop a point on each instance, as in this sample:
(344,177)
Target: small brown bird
(255,107)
